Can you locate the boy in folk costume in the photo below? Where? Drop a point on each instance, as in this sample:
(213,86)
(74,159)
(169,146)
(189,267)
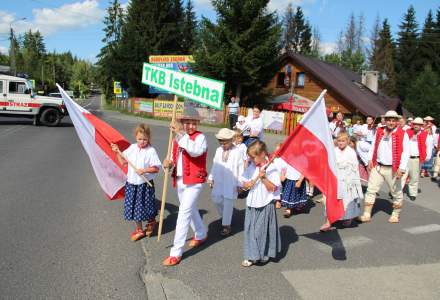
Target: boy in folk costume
(388,162)
(420,151)
(189,173)
(226,170)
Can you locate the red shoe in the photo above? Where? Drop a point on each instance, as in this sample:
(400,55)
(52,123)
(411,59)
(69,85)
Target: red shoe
(196,243)
(137,235)
(172,261)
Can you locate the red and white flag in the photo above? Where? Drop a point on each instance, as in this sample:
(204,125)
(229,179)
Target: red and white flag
(310,150)
(96,137)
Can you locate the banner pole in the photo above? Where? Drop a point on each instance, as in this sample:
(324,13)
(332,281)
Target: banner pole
(167,171)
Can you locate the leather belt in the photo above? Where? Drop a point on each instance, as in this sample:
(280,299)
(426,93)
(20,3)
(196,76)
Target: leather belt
(414,157)
(382,165)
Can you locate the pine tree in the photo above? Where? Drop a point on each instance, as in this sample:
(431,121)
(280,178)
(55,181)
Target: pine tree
(407,42)
(305,46)
(384,60)
(436,67)
(299,28)
(422,98)
(151,28)
(316,43)
(189,28)
(426,54)
(289,29)
(374,38)
(242,47)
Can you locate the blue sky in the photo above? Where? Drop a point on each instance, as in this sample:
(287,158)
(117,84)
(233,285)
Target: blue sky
(76,25)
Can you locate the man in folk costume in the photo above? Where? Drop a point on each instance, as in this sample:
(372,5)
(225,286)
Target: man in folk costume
(388,162)
(189,155)
(431,130)
(420,151)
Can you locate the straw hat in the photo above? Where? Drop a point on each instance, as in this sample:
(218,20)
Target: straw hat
(410,119)
(391,114)
(418,121)
(428,118)
(190,113)
(225,134)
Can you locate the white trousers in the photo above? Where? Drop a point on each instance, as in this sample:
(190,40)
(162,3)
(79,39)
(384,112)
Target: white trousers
(188,216)
(414,173)
(225,208)
(378,176)
(436,168)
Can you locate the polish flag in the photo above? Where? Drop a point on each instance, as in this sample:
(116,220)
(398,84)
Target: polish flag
(96,136)
(310,150)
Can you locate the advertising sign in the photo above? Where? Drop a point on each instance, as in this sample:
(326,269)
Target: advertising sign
(203,90)
(272,120)
(164,108)
(174,62)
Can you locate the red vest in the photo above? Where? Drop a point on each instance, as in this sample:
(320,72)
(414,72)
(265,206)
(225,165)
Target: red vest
(397,146)
(421,141)
(193,168)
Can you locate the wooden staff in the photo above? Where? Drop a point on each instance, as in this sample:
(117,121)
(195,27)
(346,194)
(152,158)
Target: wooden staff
(134,167)
(167,170)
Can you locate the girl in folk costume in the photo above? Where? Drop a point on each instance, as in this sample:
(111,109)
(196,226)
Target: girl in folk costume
(239,143)
(224,177)
(420,152)
(189,173)
(388,160)
(261,233)
(140,200)
(430,129)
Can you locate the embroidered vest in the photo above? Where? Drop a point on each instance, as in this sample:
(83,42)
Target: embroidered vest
(397,146)
(421,142)
(193,168)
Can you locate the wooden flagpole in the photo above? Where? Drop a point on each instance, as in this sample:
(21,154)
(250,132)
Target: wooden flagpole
(167,171)
(134,167)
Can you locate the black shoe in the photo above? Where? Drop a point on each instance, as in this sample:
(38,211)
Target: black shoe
(412,198)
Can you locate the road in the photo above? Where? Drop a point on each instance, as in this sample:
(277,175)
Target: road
(61,238)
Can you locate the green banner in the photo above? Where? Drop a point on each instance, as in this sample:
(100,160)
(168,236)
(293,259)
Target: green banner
(203,90)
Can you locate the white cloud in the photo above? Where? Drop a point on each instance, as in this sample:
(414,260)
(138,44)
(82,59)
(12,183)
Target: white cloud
(202,4)
(4,50)
(281,5)
(328,47)
(69,16)
(48,21)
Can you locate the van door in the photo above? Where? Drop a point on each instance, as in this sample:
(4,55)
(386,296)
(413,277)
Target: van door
(18,98)
(3,100)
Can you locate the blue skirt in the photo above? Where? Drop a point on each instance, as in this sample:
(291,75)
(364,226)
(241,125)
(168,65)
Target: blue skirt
(140,202)
(293,197)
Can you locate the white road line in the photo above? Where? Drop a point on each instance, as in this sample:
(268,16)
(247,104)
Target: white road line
(344,243)
(10,131)
(87,105)
(423,229)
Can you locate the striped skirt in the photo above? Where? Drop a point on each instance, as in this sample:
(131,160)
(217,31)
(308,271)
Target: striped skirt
(140,202)
(261,234)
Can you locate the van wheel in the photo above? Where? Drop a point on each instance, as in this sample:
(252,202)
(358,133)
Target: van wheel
(50,117)
(36,120)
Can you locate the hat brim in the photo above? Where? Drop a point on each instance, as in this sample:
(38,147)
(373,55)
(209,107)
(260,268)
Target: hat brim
(391,117)
(417,123)
(192,118)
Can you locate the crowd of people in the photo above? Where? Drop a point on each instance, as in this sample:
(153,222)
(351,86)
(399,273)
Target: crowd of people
(394,152)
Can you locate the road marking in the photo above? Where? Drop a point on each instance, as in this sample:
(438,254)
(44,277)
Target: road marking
(10,131)
(344,243)
(423,229)
(87,105)
(384,282)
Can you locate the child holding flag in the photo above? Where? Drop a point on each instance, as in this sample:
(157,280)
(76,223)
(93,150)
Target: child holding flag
(261,233)
(140,200)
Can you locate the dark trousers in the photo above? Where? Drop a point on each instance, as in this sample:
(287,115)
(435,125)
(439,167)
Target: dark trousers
(232,120)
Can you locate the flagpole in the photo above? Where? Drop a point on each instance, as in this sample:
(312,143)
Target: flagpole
(134,167)
(167,170)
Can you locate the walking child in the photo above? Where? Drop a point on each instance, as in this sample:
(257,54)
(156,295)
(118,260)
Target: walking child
(140,200)
(224,177)
(261,234)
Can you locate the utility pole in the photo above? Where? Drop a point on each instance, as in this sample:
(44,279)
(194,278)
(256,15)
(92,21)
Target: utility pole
(12,54)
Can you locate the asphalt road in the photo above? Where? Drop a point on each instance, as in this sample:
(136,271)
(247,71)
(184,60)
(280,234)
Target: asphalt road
(61,239)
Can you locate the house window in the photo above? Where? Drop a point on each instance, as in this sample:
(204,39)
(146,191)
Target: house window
(17,87)
(280,79)
(300,79)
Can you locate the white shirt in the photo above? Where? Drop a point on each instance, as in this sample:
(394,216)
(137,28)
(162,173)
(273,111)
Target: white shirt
(291,172)
(257,127)
(245,128)
(259,196)
(142,158)
(385,151)
(193,148)
(362,149)
(243,151)
(234,107)
(226,174)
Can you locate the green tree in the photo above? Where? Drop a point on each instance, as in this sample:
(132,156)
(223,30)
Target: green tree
(242,47)
(426,54)
(406,63)
(374,39)
(436,35)
(151,28)
(384,60)
(297,32)
(4,59)
(422,97)
(316,43)
(189,28)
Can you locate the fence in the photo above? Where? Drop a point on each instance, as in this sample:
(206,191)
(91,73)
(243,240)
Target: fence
(275,121)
